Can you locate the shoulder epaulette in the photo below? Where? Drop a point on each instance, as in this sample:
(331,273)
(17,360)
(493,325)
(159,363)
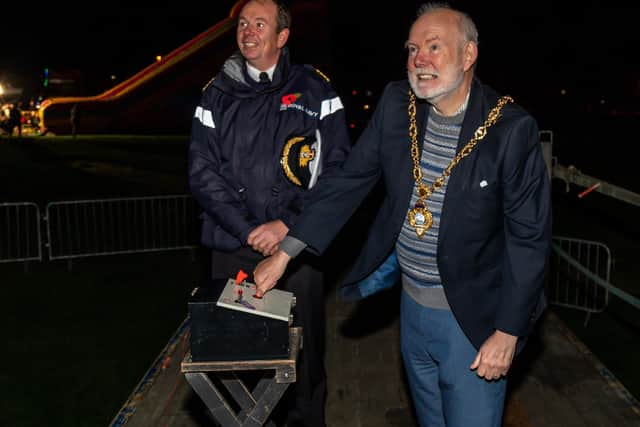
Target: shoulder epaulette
(320,73)
(208,84)
(323,75)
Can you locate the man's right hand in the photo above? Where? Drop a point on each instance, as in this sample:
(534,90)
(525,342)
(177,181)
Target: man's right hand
(266,237)
(269,271)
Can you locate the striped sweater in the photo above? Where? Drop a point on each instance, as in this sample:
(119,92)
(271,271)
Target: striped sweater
(417,257)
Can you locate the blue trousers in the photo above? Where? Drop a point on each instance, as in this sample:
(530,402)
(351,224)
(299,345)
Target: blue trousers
(437,356)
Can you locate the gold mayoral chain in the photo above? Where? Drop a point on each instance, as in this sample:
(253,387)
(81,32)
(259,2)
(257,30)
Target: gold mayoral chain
(419,217)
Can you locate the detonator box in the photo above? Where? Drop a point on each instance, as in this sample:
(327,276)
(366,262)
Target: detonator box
(229,323)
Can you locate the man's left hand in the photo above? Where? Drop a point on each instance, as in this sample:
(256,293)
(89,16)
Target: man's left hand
(265,238)
(269,271)
(495,356)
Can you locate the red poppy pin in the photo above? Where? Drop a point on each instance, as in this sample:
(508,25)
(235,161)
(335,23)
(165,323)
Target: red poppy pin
(290,98)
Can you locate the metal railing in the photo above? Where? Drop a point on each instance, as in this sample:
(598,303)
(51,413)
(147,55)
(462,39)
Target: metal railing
(84,228)
(578,267)
(20,238)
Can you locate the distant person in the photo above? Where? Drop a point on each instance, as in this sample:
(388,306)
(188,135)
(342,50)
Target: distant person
(4,121)
(264,131)
(466,223)
(15,120)
(74,119)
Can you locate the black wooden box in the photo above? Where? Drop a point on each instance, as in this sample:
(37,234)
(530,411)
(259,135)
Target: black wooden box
(222,334)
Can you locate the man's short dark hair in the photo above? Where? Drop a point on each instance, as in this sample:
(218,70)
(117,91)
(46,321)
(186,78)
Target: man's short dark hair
(284,15)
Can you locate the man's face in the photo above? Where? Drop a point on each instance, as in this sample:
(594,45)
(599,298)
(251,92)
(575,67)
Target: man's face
(436,63)
(256,35)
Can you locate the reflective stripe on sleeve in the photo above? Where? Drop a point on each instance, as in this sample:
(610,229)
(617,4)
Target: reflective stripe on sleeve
(330,106)
(205,117)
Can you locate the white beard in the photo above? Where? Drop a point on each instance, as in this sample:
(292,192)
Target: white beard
(434,95)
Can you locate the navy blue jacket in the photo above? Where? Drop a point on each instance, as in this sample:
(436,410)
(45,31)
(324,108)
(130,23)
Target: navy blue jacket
(494,239)
(238,134)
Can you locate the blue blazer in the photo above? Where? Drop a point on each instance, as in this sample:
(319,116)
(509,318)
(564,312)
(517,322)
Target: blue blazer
(494,239)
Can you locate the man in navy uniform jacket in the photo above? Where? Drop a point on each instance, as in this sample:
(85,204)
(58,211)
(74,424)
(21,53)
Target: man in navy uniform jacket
(264,136)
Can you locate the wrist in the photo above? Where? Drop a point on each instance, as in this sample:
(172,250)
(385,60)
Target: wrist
(506,335)
(282,256)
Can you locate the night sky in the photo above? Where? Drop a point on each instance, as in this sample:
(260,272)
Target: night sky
(98,39)
(530,50)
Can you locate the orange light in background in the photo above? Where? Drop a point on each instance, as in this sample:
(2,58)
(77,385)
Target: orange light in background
(158,58)
(366,106)
(563,91)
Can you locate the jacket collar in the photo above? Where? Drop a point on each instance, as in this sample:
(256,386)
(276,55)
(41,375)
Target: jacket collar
(255,73)
(234,79)
(473,116)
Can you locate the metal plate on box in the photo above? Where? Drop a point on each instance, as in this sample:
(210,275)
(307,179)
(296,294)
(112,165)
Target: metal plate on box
(275,304)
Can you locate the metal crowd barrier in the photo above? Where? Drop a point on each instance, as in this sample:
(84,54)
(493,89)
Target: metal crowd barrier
(579,275)
(20,238)
(578,269)
(86,228)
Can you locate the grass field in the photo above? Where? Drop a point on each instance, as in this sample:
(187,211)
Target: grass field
(46,169)
(78,341)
